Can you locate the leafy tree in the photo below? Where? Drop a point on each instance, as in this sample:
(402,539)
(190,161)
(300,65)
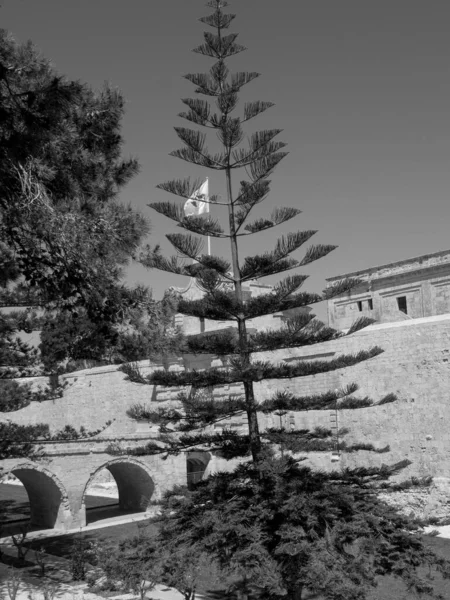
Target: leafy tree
(185,568)
(277,529)
(274,527)
(146,331)
(65,237)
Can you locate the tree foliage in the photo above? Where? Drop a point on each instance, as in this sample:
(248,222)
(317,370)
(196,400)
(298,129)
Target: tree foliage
(146,330)
(65,237)
(276,529)
(223,280)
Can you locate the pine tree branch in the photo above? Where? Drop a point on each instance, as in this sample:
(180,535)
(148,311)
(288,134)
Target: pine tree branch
(361,476)
(279,215)
(153,259)
(184,188)
(204,82)
(200,159)
(241,78)
(286,401)
(263,167)
(202,410)
(319,440)
(230,132)
(340,287)
(261,146)
(186,244)
(218,20)
(250,195)
(133,373)
(221,343)
(216,306)
(193,411)
(259,370)
(299,331)
(201,224)
(244,158)
(283,299)
(267,304)
(271,262)
(360,323)
(219,47)
(195,140)
(204,225)
(201,271)
(287,286)
(229,443)
(342,399)
(199,113)
(252,109)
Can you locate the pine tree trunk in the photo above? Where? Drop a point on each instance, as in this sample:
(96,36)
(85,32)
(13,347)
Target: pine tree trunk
(295,594)
(252,415)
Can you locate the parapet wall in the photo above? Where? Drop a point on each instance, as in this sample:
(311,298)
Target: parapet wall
(415,366)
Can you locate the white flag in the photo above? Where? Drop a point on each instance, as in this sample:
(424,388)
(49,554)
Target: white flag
(194,205)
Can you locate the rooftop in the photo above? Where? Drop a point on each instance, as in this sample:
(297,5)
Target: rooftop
(424,261)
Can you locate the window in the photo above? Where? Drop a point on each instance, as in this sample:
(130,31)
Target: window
(402,306)
(370,303)
(359,303)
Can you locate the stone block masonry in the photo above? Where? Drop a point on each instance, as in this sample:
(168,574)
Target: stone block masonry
(415,365)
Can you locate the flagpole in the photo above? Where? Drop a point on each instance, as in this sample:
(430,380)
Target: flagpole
(209,237)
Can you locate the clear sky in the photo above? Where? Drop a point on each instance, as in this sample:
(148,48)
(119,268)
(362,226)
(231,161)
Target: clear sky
(362,91)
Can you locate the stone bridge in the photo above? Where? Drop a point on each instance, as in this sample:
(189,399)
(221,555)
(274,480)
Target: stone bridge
(57,484)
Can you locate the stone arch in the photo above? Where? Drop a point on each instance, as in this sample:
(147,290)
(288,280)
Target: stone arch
(134,483)
(49,502)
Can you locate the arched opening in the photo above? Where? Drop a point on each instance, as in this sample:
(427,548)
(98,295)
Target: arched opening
(131,489)
(196,465)
(48,505)
(101,496)
(14,504)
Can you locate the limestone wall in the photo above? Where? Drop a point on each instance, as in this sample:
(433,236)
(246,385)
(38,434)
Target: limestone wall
(414,365)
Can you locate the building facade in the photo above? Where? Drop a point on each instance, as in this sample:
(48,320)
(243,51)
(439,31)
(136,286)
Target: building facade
(407,289)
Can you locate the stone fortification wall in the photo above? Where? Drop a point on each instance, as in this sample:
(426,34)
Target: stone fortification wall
(92,397)
(415,366)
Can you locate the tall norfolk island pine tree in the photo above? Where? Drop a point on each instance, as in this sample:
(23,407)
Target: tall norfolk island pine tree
(272,525)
